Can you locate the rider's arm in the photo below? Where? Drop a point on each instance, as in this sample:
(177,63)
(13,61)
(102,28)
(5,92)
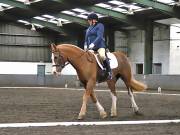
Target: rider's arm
(100,34)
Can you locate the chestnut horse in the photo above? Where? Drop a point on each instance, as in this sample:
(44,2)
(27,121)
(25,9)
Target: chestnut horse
(85,64)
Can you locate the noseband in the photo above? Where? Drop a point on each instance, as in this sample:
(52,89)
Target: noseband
(61,57)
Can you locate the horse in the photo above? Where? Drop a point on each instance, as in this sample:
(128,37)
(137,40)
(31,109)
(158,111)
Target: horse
(86,66)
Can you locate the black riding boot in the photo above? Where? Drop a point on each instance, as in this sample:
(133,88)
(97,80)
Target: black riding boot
(108,68)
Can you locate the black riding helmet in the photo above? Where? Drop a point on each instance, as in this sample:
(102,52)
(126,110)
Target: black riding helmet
(92,16)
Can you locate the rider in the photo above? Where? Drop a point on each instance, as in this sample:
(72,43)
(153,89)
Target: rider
(94,40)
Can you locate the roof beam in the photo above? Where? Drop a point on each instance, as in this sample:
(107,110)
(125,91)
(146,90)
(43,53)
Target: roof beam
(89,2)
(164,8)
(53,27)
(117,15)
(71,5)
(14,3)
(60,1)
(38,12)
(20,5)
(44,23)
(71,18)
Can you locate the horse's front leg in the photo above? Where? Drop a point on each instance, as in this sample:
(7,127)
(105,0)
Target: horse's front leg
(100,108)
(89,92)
(88,89)
(83,108)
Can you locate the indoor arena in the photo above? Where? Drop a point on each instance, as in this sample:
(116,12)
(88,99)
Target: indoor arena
(83,67)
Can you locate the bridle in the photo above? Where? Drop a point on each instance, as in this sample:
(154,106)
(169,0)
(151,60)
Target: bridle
(64,63)
(61,58)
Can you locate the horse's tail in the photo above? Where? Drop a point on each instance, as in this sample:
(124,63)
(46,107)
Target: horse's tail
(137,86)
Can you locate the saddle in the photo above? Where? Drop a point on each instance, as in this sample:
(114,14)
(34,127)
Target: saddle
(102,73)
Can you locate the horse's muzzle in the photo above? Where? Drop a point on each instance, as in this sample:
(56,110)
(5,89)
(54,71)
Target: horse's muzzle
(56,73)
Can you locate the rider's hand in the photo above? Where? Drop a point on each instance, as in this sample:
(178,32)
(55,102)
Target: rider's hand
(91,46)
(85,47)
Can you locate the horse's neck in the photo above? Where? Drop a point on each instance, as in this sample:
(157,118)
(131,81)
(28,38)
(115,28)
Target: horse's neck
(74,56)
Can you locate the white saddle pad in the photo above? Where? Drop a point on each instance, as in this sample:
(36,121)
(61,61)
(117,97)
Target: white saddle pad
(112,59)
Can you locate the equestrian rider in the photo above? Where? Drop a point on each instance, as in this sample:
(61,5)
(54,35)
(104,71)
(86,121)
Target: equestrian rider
(94,40)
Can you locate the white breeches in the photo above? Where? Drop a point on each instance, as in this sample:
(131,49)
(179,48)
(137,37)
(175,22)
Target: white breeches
(101,52)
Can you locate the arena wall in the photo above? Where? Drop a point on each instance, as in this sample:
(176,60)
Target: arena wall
(166,82)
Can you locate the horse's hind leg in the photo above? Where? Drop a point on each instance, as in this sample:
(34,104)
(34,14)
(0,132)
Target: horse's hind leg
(133,102)
(111,85)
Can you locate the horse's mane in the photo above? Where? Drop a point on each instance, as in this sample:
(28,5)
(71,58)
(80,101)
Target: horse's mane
(70,46)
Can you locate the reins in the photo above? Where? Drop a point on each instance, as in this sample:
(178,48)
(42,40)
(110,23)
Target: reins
(63,61)
(89,58)
(68,59)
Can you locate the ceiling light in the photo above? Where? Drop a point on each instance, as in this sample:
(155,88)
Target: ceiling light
(38,25)
(79,10)
(48,16)
(1,8)
(177,3)
(59,23)
(23,21)
(27,2)
(130,11)
(33,27)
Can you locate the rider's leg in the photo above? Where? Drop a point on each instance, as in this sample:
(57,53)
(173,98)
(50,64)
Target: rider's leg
(102,54)
(106,63)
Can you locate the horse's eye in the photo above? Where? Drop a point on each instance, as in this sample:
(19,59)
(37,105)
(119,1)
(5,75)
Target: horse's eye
(55,57)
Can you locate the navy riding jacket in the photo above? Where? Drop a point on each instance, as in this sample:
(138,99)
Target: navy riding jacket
(95,35)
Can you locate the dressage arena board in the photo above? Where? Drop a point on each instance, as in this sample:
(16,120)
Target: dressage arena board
(45,110)
(98,123)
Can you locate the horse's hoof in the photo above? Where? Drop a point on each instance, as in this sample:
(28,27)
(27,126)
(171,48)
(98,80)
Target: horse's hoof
(103,114)
(81,117)
(138,113)
(113,114)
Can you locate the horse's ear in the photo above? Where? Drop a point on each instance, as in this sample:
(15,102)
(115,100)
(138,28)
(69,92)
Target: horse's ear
(53,47)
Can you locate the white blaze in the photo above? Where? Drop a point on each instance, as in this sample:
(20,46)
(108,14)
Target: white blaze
(53,63)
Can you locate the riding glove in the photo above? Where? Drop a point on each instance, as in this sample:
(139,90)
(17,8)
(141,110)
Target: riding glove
(85,47)
(91,46)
